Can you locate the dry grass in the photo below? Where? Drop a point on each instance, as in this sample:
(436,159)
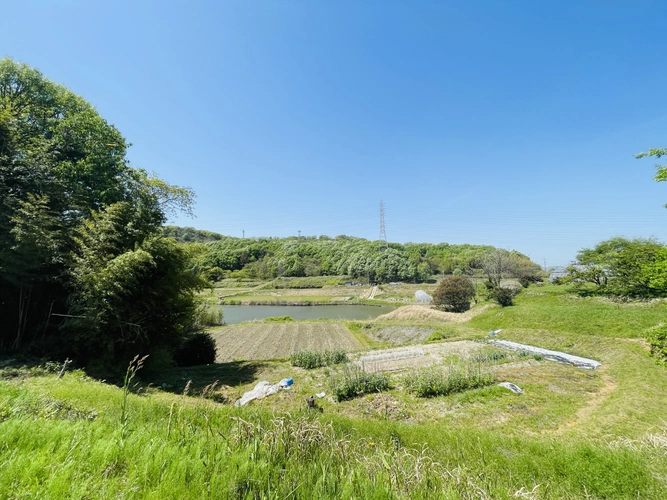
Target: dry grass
(429,314)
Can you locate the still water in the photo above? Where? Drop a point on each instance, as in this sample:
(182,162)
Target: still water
(239,314)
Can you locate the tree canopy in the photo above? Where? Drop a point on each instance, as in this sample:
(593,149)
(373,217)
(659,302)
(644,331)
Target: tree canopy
(79,228)
(623,267)
(267,258)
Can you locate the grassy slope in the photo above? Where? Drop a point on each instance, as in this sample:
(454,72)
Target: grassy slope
(572,434)
(181,448)
(556,309)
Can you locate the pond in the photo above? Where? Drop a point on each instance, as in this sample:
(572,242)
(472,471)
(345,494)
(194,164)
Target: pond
(239,314)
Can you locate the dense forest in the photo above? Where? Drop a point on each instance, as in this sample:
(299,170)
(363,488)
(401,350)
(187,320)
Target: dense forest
(268,258)
(84,269)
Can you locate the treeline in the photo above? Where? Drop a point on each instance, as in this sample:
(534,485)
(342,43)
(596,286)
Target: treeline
(190,234)
(85,271)
(268,258)
(622,267)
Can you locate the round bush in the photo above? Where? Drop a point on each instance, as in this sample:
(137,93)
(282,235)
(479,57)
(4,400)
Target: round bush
(454,293)
(505,296)
(198,349)
(657,339)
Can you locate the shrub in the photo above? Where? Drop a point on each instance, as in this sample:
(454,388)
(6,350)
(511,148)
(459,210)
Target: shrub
(505,295)
(278,319)
(310,360)
(657,339)
(454,293)
(307,359)
(490,356)
(208,315)
(214,274)
(438,335)
(357,382)
(527,279)
(438,382)
(335,357)
(198,349)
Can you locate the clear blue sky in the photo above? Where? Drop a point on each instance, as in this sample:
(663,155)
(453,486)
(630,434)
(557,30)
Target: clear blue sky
(509,123)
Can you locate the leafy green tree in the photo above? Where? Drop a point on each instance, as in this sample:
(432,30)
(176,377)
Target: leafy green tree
(133,289)
(454,293)
(623,267)
(661,170)
(79,231)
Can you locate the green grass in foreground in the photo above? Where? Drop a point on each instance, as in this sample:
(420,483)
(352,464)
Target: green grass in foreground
(572,434)
(62,439)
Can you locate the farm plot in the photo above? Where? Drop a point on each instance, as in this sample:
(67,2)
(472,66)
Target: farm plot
(417,356)
(256,341)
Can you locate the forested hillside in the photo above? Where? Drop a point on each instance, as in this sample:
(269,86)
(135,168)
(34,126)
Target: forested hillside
(268,258)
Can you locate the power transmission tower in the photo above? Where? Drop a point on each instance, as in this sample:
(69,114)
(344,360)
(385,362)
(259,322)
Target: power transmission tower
(383,234)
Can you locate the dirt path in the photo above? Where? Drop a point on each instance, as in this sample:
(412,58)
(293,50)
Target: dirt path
(594,403)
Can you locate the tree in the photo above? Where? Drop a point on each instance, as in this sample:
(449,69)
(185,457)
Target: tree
(623,267)
(79,230)
(499,264)
(661,170)
(133,290)
(454,293)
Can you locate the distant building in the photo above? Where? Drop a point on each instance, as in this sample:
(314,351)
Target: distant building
(561,271)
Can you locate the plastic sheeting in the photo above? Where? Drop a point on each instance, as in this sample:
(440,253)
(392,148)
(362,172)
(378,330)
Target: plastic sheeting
(561,357)
(422,296)
(394,355)
(512,387)
(262,390)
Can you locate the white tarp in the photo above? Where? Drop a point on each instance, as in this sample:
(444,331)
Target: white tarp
(422,296)
(261,390)
(512,387)
(561,357)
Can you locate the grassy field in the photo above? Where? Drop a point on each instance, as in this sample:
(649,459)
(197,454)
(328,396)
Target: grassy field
(573,433)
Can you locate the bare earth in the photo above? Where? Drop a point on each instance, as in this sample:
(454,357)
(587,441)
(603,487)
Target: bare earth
(402,358)
(257,341)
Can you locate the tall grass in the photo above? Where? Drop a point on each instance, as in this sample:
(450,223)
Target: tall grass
(135,365)
(184,449)
(441,381)
(209,315)
(314,359)
(354,381)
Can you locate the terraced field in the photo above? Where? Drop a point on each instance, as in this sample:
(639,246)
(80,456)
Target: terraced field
(256,341)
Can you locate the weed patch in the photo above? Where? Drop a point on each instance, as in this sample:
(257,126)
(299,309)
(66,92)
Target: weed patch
(439,381)
(355,382)
(312,359)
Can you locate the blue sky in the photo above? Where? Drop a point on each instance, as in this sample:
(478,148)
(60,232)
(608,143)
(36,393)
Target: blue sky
(488,122)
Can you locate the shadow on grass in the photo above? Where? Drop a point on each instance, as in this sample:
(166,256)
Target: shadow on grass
(233,373)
